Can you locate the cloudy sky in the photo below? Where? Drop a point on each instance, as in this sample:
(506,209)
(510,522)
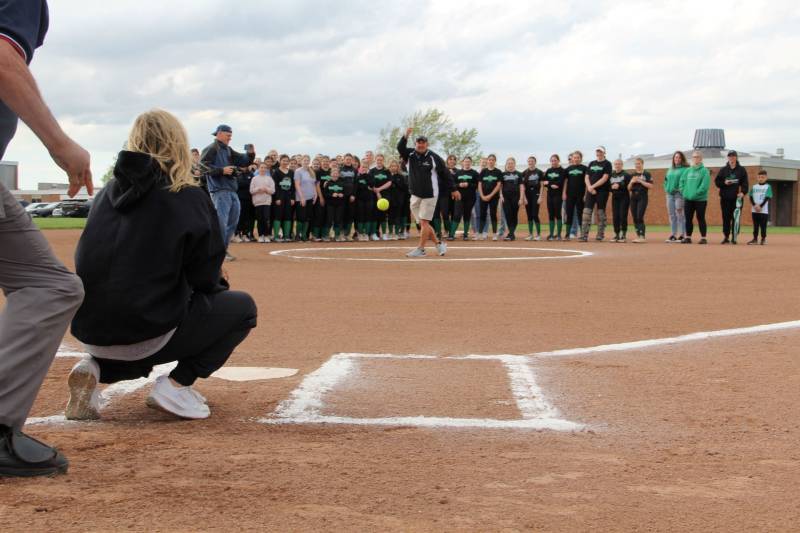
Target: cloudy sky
(532,76)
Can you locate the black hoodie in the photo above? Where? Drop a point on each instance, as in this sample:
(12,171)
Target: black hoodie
(144,251)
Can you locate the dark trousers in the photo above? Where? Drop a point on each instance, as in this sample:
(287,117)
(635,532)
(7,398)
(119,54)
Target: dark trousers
(727,206)
(283,212)
(263,220)
(619,208)
(214,325)
(532,209)
(699,207)
(349,215)
(444,210)
(554,202)
(246,216)
(462,210)
(334,216)
(572,204)
(303,213)
(760,221)
(638,208)
(490,208)
(511,209)
(319,215)
(364,206)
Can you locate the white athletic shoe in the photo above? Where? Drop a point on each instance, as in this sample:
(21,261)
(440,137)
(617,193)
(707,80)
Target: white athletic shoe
(179,401)
(416,252)
(385,237)
(84,398)
(496,237)
(374,237)
(441,248)
(537,238)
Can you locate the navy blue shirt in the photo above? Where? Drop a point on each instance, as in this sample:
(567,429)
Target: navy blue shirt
(23,24)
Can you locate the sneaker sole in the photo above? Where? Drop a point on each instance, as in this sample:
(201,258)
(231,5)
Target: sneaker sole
(79,406)
(34,472)
(155,403)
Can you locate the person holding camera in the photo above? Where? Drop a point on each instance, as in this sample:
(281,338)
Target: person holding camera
(222,163)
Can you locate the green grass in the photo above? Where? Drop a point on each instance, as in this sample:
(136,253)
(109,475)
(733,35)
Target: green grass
(59,223)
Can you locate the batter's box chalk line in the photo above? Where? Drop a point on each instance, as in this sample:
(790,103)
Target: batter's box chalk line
(305,404)
(401,250)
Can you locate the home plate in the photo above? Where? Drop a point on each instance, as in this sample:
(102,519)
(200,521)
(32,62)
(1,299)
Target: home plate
(252,373)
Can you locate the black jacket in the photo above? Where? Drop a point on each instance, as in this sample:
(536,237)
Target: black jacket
(144,251)
(214,177)
(420,169)
(737,175)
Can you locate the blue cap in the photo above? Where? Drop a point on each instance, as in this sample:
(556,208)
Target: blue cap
(223,127)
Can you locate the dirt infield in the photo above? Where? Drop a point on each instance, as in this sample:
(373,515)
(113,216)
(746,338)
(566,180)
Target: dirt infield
(699,435)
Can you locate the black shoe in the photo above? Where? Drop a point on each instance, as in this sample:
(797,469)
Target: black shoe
(754,241)
(23,456)
(725,241)
(686,240)
(763,242)
(465,237)
(703,241)
(733,241)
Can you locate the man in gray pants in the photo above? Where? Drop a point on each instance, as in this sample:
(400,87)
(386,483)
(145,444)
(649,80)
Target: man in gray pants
(41,294)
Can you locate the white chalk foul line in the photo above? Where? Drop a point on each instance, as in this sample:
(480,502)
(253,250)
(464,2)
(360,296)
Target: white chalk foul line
(305,403)
(691,337)
(568,254)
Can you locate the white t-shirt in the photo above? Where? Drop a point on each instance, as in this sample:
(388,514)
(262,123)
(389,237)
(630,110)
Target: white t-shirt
(759,193)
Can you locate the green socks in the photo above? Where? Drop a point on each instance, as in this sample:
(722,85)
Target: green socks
(559,227)
(276,229)
(553,227)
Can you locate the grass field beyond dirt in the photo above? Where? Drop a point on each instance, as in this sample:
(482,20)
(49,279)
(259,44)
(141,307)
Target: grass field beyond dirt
(79,223)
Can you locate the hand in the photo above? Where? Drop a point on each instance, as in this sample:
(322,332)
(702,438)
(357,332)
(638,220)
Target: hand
(539,201)
(322,201)
(352,199)
(740,195)
(75,161)
(456,196)
(409,131)
(591,190)
(463,185)
(615,186)
(758,209)
(252,149)
(303,203)
(291,202)
(224,275)
(228,170)
(521,202)
(554,186)
(378,194)
(277,202)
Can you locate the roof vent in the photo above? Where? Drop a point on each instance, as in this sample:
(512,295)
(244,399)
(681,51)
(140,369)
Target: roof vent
(709,138)
(779,152)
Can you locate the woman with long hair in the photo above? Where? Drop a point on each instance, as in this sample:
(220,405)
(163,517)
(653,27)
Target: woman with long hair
(574,192)
(641,182)
(305,184)
(466,184)
(620,201)
(513,191)
(283,201)
(150,259)
(675,206)
(489,185)
(533,178)
(398,210)
(382,187)
(554,180)
(694,186)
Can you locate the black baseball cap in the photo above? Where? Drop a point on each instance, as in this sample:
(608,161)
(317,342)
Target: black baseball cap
(223,127)
(422,139)
(733,153)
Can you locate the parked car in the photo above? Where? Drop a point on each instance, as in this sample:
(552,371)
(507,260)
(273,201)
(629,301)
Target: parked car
(42,210)
(35,205)
(73,209)
(24,203)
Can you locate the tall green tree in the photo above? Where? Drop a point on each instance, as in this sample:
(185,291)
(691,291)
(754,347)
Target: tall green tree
(443,136)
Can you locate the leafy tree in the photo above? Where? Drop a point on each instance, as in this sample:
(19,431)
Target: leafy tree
(444,137)
(109,173)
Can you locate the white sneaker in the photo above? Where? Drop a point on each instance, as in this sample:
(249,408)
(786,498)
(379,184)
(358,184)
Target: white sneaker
(236,239)
(441,248)
(84,398)
(385,237)
(416,252)
(179,401)
(537,238)
(229,258)
(374,237)
(496,237)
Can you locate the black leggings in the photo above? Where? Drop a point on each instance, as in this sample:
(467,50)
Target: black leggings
(319,215)
(334,216)
(572,203)
(463,209)
(283,212)
(246,215)
(491,207)
(638,208)
(213,326)
(728,207)
(760,221)
(303,213)
(364,206)
(619,207)
(695,206)
(511,209)
(262,217)
(532,209)
(554,202)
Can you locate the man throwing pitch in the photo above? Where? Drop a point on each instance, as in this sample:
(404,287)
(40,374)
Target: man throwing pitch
(427,174)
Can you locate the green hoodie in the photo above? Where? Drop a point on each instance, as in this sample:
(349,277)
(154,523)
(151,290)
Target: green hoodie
(695,182)
(672,181)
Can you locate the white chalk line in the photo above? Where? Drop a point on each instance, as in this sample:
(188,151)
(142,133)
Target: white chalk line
(573,254)
(691,337)
(305,403)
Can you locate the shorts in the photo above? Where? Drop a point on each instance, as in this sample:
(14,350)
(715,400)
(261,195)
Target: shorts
(423,208)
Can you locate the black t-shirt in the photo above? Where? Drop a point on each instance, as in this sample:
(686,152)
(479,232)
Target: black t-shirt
(511,182)
(622,179)
(333,187)
(363,184)
(347,175)
(576,184)
(284,183)
(400,182)
(596,171)
(323,176)
(637,187)
(380,177)
(490,179)
(533,179)
(469,177)
(555,176)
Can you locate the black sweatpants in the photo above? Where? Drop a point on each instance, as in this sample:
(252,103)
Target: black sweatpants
(727,206)
(319,216)
(490,207)
(760,221)
(511,209)
(619,207)
(638,208)
(364,206)
(554,202)
(443,214)
(246,215)
(214,325)
(462,210)
(263,220)
(572,203)
(691,207)
(532,209)
(334,217)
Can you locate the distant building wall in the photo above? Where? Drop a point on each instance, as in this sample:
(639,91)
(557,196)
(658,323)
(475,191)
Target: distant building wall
(9,173)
